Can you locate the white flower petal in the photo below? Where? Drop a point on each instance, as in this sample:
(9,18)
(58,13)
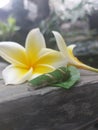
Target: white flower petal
(42,69)
(34,76)
(13,53)
(51,57)
(71,57)
(16,75)
(34,43)
(45,51)
(61,43)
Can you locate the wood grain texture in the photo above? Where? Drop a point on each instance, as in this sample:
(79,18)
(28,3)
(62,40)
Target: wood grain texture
(50,108)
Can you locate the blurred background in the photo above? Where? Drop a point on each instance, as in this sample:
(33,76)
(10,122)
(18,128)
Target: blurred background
(76,20)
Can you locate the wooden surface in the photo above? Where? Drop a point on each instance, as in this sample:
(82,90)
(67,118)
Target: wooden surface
(50,108)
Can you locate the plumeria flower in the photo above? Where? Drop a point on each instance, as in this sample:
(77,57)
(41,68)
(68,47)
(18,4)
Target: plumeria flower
(29,62)
(68,53)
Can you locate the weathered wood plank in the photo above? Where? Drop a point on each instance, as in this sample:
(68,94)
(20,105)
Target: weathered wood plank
(49,108)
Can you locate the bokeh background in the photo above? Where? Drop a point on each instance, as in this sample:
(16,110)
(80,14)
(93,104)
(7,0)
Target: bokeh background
(76,20)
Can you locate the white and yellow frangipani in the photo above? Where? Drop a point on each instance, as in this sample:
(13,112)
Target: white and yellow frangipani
(27,63)
(68,53)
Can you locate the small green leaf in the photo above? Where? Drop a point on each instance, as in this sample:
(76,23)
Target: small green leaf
(73,78)
(64,77)
(59,75)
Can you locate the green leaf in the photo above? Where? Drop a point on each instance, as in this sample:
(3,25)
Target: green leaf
(64,77)
(73,78)
(59,75)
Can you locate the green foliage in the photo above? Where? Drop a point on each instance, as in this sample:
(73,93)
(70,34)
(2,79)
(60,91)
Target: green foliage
(64,77)
(57,75)
(73,78)
(7,30)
